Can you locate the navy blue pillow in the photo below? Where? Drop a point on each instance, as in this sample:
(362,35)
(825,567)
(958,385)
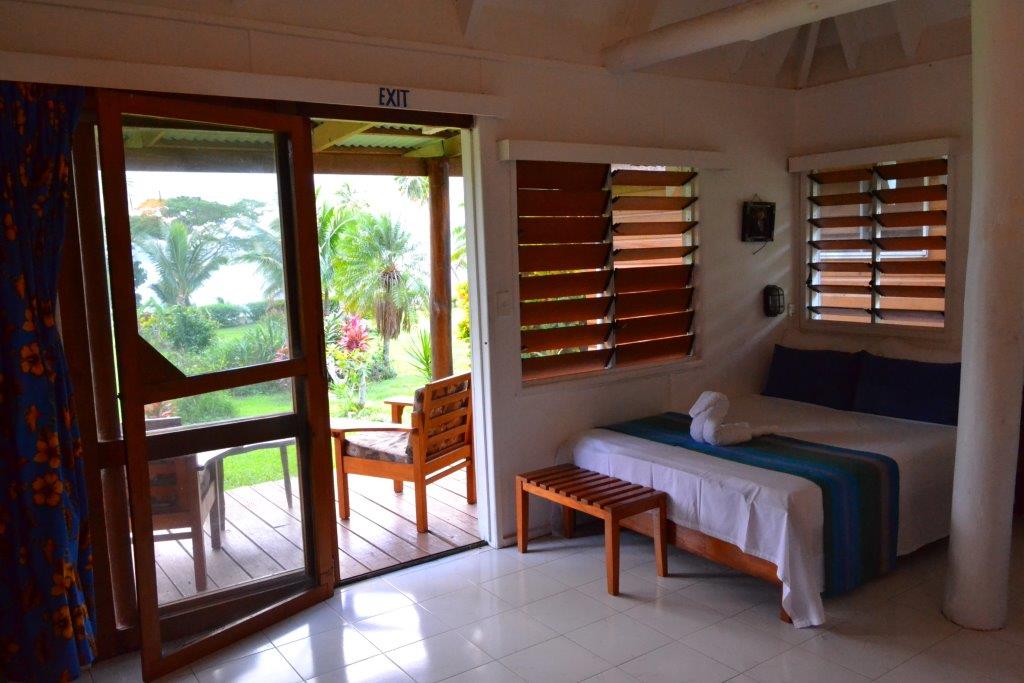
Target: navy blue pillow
(913,390)
(827,378)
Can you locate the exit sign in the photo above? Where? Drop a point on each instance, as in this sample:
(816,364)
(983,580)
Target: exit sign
(396,98)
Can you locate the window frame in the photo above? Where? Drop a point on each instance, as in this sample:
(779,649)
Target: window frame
(865,156)
(614,372)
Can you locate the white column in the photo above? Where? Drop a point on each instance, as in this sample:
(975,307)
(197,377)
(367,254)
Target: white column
(993,343)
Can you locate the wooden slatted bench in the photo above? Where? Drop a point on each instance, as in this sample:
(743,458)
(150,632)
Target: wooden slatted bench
(604,497)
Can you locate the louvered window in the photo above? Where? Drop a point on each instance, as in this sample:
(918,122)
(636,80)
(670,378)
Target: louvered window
(877,243)
(606,266)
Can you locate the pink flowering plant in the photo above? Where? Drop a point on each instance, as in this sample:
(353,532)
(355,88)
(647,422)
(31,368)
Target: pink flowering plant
(348,359)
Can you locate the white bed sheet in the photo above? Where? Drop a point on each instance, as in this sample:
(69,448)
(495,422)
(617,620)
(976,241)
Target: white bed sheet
(775,516)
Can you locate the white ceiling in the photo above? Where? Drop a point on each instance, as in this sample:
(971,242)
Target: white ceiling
(890,36)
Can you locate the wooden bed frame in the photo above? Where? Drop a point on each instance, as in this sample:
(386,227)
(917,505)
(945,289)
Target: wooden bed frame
(697,543)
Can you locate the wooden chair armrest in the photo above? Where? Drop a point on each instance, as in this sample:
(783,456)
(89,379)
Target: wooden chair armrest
(398,405)
(384,427)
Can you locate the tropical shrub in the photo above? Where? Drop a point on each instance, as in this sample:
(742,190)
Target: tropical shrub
(181,328)
(256,310)
(347,363)
(227,315)
(205,408)
(419,354)
(462,303)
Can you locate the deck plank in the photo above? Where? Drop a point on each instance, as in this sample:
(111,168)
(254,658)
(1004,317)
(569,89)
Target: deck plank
(264,535)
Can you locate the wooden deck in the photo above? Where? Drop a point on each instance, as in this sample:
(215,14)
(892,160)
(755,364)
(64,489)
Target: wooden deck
(263,535)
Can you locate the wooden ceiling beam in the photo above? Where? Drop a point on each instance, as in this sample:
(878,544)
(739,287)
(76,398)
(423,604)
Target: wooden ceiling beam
(808,57)
(911,22)
(851,35)
(449,147)
(468,14)
(331,133)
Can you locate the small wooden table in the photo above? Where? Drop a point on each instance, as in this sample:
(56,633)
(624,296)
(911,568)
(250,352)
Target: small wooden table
(604,497)
(398,405)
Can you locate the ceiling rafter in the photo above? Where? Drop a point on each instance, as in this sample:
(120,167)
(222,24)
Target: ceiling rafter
(851,36)
(807,60)
(911,22)
(331,133)
(468,13)
(738,55)
(776,50)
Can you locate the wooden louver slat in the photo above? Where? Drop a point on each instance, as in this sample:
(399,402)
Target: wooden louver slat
(544,367)
(653,327)
(842,222)
(564,311)
(852,175)
(652,178)
(845,199)
(911,195)
(873,286)
(564,337)
(913,169)
(556,175)
(563,284)
(910,219)
(651,253)
(573,296)
(628,280)
(562,203)
(841,266)
(912,291)
(652,303)
(653,228)
(893,267)
(841,245)
(650,351)
(562,230)
(549,257)
(936,242)
(639,203)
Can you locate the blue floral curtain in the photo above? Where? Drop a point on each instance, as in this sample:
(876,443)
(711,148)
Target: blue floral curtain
(46,587)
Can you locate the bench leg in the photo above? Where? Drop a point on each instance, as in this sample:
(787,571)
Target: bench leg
(399,485)
(611,553)
(784,616)
(522,515)
(660,534)
(568,521)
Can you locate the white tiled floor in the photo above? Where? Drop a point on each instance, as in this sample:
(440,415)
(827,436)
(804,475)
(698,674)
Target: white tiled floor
(494,615)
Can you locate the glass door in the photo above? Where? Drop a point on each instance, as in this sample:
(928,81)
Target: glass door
(216,308)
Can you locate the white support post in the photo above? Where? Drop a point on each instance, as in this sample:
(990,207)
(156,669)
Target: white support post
(993,344)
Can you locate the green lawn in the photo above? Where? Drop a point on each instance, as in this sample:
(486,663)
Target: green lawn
(259,466)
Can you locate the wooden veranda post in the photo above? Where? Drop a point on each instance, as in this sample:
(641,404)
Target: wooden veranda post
(440,269)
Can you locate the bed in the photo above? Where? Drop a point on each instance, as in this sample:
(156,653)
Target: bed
(768,523)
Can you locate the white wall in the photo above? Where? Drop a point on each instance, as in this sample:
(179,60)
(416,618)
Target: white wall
(757,128)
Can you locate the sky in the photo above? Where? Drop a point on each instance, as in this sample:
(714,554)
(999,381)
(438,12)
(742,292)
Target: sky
(240,283)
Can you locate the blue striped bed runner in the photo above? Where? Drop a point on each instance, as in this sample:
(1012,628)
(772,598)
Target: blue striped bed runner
(859,491)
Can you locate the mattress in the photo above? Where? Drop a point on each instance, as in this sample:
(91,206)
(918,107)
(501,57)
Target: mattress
(778,517)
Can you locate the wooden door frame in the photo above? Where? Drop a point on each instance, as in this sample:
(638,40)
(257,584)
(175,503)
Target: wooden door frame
(306,368)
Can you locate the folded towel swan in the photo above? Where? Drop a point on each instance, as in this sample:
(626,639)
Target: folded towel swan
(709,424)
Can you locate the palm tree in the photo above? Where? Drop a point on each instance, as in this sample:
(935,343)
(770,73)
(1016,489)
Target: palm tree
(378,276)
(187,238)
(414,187)
(184,259)
(263,246)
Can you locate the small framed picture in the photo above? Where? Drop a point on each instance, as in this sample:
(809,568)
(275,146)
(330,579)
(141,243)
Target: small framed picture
(758,221)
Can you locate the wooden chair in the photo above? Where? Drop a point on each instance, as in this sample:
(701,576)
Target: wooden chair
(183,496)
(438,443)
